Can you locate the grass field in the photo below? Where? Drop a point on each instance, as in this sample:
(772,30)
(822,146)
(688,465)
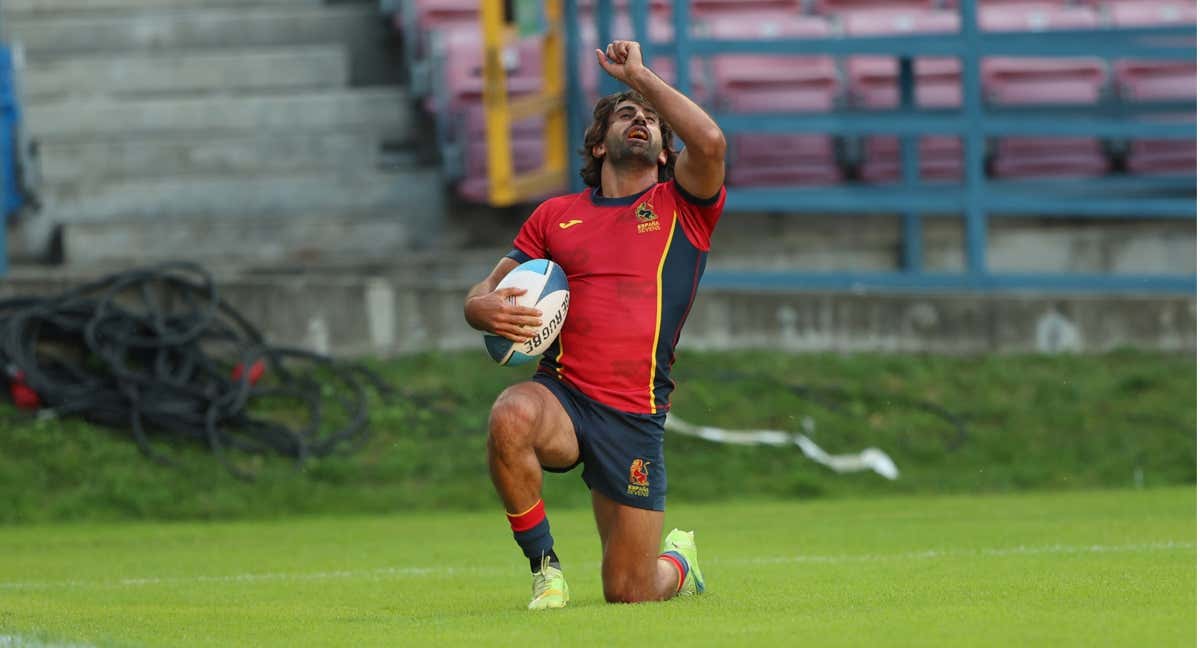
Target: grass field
(1092,568)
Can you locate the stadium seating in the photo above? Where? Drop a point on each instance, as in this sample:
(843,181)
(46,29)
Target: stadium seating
(753,83)
(873,83)
(431,17)
(459,89)
(1139,81)
(659,30)
(940,158)
(835,7)
(1052,81)
(433,14)
(462,67)
(711,10)
(766,160)
(527,155)
(658,7)
(781,84)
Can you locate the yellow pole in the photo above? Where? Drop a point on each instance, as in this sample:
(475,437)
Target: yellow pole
(495,103)
(505,186)
(553,57)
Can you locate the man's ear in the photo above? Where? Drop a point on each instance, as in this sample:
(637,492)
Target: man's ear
(598,150)
(662,157)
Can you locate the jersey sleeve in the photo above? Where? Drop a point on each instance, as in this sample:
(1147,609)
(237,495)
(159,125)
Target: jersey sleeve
(530,242)
(698,215)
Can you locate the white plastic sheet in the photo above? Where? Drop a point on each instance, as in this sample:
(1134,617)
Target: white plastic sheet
(872,459)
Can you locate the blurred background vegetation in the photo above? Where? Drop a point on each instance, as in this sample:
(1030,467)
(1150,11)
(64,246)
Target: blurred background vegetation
(1119,420)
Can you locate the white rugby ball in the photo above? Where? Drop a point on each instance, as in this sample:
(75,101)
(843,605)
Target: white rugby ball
(545,286)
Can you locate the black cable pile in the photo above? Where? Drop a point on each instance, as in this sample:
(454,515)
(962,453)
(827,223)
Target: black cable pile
(156,350)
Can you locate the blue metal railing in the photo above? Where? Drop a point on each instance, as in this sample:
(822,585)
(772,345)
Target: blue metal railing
(977,197)
(10,192)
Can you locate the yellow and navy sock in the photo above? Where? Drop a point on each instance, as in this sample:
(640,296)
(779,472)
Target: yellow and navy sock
(679,563)
(531,530)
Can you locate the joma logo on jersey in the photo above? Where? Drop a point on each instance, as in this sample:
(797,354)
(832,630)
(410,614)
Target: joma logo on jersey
(639,478)
(647,219)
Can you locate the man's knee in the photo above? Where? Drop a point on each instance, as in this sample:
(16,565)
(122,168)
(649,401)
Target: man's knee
(513,419)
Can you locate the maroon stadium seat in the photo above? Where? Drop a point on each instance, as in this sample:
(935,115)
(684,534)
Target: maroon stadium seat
(763,83)
(712,10)
(873,83)
(527,145)
(701,8)
(462,82)
(953,4)
(832,7)
(463,68)
(1156,81)
(1025,157)
(587,7)
(773,83)
(1012,81)
(432,14)
(782,173)
(1033,80)
(1161,156)
(528,153)
(659,30)
(766,160)
(940,158)
(1030,81)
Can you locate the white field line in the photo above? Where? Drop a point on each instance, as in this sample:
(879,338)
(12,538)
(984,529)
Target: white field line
(390,573)
(1019,550)
(17,641)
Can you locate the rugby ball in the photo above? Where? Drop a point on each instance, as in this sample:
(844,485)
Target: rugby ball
(545,286)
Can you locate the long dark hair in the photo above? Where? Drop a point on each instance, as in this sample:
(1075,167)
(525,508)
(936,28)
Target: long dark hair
(599,128)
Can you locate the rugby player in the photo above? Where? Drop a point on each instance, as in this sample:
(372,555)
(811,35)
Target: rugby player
(633,246)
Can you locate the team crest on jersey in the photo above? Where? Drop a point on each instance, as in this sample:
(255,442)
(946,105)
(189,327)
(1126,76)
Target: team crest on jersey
(639,478)
(647,219)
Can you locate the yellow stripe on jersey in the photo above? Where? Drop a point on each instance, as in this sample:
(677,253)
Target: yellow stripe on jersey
(562,348)
(658,311)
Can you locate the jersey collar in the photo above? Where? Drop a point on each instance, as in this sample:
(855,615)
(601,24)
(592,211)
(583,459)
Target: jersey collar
(603,201)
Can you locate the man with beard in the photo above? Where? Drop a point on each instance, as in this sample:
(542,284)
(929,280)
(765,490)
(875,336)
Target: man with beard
(633,247)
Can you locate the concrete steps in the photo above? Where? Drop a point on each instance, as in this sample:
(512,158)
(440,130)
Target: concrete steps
(23,8)
(182,26)
(185,72)
(248,130)
(245,196)
(293,238)
(293,218)
(384,111)
(89,161)
(166,26)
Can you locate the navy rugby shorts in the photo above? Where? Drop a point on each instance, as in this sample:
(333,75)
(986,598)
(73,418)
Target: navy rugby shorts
(621,452)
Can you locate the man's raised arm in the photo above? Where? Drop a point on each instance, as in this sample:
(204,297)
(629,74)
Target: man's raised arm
(700,169)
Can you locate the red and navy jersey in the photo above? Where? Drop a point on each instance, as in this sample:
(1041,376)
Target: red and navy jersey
(633,265)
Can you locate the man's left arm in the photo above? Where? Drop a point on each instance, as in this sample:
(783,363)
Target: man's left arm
(700,168)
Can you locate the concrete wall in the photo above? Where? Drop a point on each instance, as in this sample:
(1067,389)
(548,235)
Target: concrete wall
(389,314)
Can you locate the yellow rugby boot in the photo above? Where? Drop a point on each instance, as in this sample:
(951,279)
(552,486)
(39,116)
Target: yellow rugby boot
(549,587)
(682,544)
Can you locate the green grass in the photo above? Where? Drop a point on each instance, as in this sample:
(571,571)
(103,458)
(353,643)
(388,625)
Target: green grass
(1032,423)
(1084,568)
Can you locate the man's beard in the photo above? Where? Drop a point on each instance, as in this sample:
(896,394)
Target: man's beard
(620,154)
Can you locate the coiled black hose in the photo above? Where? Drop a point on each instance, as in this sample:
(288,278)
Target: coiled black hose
(156,350)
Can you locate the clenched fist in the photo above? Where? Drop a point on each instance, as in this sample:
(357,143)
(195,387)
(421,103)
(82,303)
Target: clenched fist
(622,60)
